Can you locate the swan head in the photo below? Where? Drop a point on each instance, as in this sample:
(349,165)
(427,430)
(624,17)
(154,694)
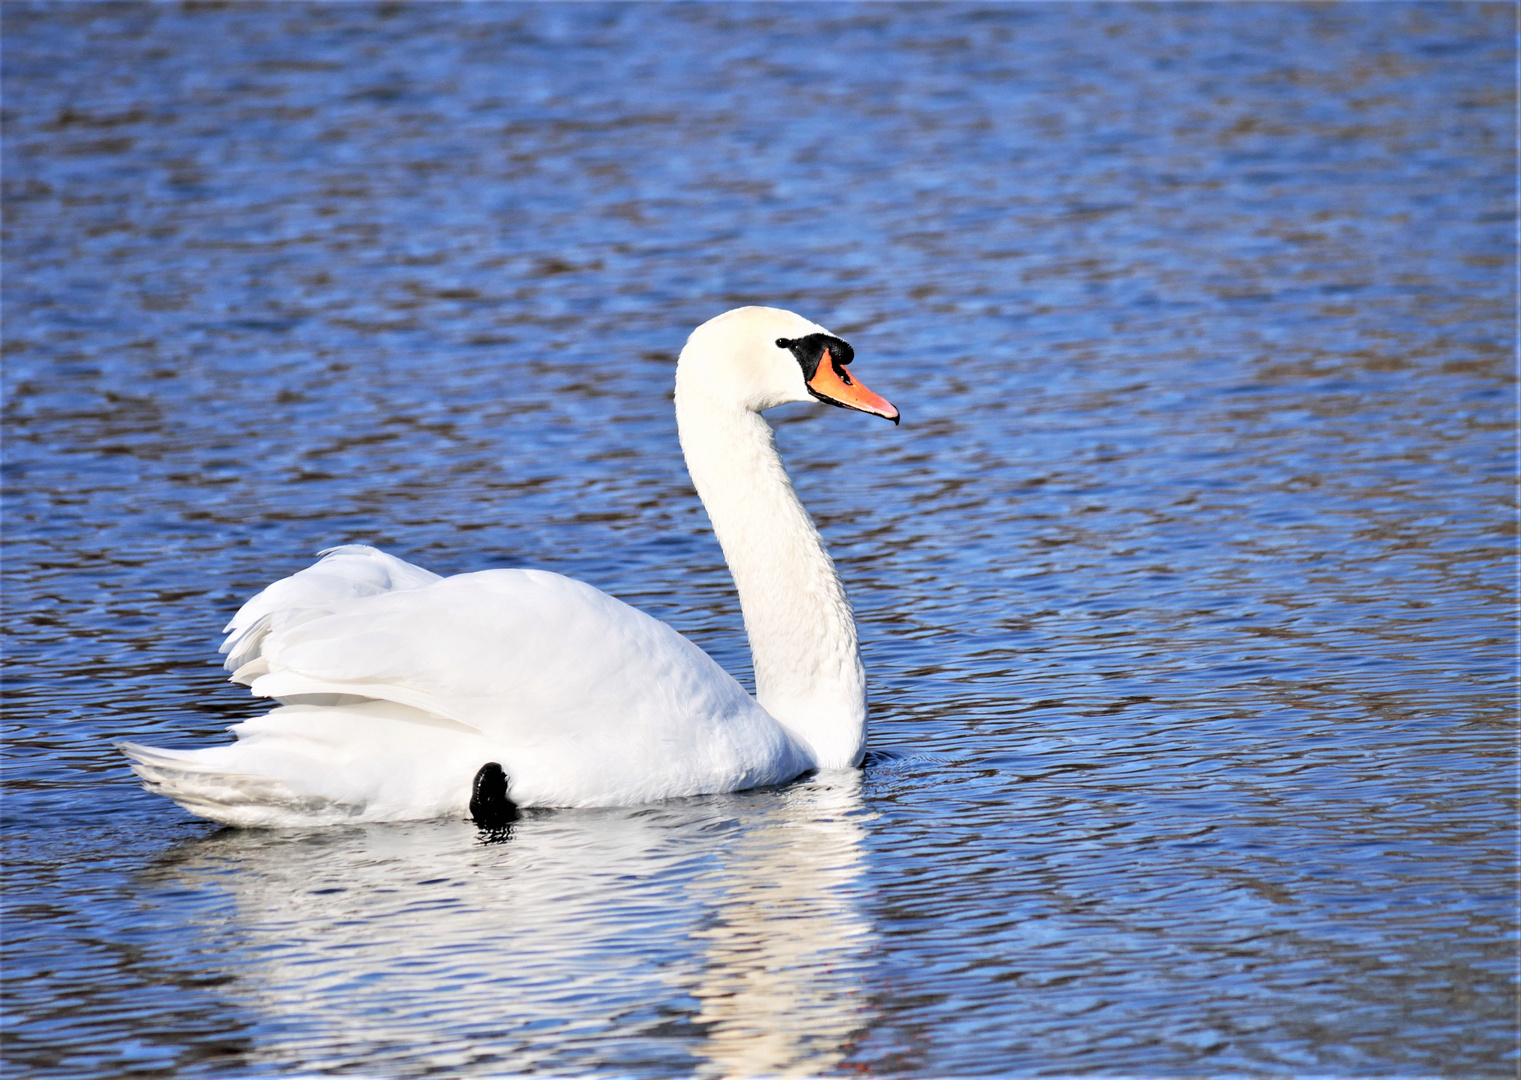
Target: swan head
(761,357)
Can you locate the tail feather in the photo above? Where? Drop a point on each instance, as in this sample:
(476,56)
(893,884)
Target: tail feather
(324,761)
(196,781)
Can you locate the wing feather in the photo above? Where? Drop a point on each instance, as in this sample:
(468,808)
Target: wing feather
(396,685)
(343,573)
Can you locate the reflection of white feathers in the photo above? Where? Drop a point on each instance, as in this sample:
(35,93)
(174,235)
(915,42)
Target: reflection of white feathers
(396,685)
(562,948)
(779,988)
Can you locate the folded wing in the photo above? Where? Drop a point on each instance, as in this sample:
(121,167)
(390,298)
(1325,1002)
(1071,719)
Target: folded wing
(395,680)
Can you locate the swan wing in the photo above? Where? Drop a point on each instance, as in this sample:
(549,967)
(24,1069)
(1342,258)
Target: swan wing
(582,697)
(343,573)
(396,685)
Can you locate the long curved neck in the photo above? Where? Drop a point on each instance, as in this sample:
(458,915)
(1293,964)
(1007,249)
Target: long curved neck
(808,672)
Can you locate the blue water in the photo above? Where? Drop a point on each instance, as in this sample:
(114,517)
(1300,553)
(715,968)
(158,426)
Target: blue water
(1185,588)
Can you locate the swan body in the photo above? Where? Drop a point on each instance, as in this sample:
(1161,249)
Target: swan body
(395,685)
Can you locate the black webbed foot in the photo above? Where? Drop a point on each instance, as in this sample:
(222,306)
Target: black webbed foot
(489,804)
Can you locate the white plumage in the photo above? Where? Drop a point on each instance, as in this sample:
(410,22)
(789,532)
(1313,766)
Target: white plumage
(396,685)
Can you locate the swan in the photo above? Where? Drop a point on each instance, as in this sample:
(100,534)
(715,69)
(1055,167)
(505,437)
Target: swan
(403,695)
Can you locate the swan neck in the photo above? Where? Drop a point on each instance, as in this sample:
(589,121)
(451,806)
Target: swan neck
(808,672)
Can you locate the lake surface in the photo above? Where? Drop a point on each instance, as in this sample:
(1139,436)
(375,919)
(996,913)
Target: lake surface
(1185,587)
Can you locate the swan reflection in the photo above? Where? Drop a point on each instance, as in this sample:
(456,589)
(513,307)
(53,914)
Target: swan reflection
(722,935)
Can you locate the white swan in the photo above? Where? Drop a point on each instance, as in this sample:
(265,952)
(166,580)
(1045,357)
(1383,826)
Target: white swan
(397,686)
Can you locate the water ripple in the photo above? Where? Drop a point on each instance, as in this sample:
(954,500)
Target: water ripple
(1185,588)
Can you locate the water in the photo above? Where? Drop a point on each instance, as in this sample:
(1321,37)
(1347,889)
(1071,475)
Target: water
(1185,587)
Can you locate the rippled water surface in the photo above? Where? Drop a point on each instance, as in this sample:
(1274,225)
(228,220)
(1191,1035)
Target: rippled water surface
(1185,586)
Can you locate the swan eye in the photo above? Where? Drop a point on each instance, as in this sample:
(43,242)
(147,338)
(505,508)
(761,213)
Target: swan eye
(813,348)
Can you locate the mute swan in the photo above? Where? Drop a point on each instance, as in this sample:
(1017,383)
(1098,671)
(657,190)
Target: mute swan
(405,696)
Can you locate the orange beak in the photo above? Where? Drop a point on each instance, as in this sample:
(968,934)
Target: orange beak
(833,384)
